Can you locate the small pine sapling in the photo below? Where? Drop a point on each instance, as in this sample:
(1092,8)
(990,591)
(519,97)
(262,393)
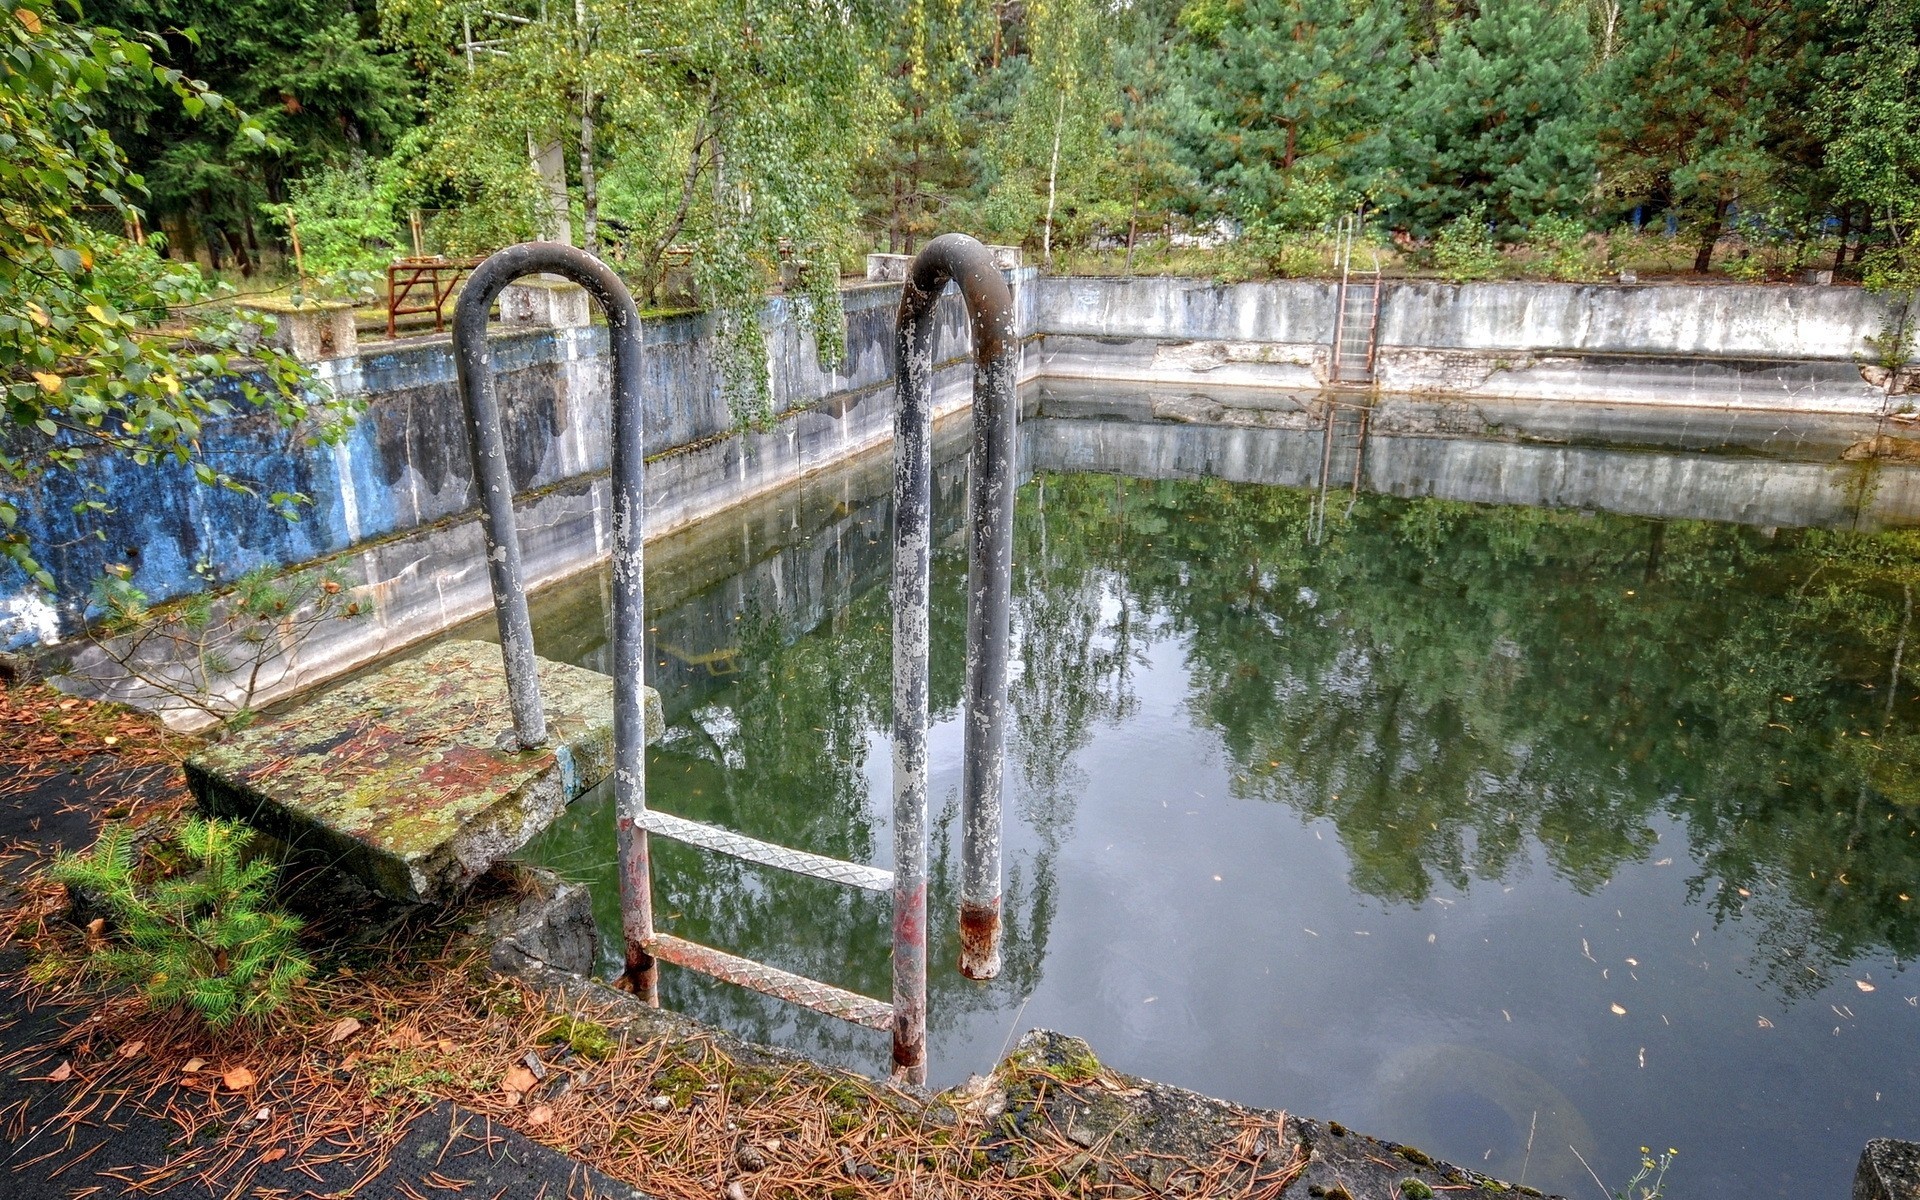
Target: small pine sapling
(188,921)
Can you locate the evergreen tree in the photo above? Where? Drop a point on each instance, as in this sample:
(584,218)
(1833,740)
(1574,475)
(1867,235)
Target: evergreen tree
(1277,97)
(1497,119)
(1703,108)
(919,166)
(312,73)
(1869,109)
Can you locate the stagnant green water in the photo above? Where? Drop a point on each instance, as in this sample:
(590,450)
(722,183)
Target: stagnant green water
(1506,832)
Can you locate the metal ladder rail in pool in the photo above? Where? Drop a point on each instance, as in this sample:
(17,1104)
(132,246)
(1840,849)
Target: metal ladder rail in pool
(952,258)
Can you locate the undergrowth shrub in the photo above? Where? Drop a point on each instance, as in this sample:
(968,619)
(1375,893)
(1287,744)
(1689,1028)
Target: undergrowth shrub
(188,922)
(1566,252)
(1464,249)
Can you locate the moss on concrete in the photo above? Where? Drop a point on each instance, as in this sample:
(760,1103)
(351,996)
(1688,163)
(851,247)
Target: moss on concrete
(400,776)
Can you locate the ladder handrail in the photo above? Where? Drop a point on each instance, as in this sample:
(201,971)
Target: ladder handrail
(950,258)
(473,362)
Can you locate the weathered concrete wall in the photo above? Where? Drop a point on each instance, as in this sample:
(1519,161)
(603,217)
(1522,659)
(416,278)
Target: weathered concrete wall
(393,502)
(1789,348)
(393,507)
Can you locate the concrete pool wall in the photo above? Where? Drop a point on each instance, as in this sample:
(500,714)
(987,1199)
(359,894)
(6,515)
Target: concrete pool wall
(392,504)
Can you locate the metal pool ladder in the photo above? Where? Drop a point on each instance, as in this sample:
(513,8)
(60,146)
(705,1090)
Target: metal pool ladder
(953,258)
(1356,320)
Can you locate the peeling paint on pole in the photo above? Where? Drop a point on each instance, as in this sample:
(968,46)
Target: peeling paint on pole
(952,258)
(629,525)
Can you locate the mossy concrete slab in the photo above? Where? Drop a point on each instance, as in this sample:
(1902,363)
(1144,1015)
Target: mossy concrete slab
(399,775)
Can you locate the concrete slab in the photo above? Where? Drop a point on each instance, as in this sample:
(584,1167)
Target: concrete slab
(398,774)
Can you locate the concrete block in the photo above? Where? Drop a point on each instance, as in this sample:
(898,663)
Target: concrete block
(1889,1170)
(888,268)
(1007,258)
(398,776)
(310,330)
(550,303)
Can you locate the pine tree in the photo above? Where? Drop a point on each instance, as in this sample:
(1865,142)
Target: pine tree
(1277,97)
(1868,108)
(1496,118)
(189,922)
(1704,106)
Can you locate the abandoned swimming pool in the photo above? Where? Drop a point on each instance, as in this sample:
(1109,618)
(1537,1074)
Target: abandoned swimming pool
(1524,832)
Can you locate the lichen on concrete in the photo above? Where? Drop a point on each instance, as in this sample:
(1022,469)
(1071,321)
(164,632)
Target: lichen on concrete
(399,775)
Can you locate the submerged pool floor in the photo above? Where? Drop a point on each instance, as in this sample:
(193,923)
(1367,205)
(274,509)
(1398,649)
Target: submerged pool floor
(1519,834)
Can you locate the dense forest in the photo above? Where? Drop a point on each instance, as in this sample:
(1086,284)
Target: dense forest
(732,127)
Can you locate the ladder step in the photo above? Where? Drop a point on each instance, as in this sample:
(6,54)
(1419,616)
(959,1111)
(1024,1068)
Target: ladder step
(737,845)
(772,981)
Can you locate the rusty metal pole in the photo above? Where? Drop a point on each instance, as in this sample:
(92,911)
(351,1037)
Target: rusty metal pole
(491,477)
(959,259)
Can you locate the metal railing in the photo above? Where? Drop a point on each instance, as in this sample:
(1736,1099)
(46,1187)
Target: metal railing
(432,275)
(952,258)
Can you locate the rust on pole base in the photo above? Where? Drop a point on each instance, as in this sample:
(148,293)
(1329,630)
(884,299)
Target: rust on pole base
(980,940)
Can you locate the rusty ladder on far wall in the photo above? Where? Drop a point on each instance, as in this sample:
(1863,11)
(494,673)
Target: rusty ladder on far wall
(953,258)
(1356,318)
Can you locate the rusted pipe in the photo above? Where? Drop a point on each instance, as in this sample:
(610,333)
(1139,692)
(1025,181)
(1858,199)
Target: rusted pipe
(474,364)
(992,480)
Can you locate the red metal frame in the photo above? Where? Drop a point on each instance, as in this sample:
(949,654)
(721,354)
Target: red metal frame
(438,275)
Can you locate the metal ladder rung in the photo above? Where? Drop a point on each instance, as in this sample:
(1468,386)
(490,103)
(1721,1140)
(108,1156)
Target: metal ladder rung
(785,858)
(772,981)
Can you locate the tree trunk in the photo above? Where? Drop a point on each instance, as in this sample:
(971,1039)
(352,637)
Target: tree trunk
(589,102)
(1703,259)
(1846,228)
(1053,171)
(238,245)
(1866,231)
(589,181)
(1133,230)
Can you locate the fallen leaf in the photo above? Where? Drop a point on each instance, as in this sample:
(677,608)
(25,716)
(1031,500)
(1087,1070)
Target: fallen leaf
(237,1079)
(445,1045)
(341,1030)
(274,1155)
(540,1115)
(132,1049)
(1619,1011)
(265,1114)
(61,1073)
(518,1079)
(1863,985)
(193,1064)
(350,1061)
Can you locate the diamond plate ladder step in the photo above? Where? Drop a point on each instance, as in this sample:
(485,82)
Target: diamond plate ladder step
(783,985)
(753,850)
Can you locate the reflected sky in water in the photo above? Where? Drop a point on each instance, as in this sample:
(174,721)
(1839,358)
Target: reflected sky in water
(1474,826)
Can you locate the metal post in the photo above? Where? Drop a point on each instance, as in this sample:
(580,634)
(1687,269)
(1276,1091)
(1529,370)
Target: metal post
(491,476)
(959,259)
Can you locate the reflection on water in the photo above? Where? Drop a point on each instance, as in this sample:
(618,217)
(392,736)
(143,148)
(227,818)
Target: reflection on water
(1506,831)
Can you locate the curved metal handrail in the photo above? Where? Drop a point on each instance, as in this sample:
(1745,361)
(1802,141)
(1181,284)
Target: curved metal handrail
(474,364)
(950,258)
